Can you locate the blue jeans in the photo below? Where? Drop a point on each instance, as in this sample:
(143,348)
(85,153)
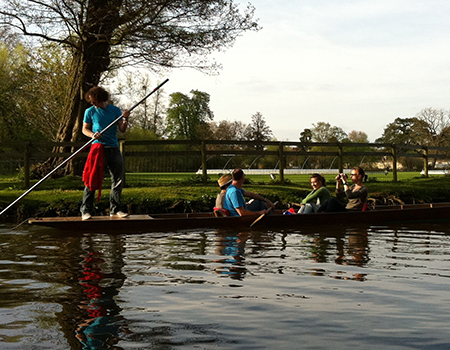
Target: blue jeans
(114,162)
(257,205)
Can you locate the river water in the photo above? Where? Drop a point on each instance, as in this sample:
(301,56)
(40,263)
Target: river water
(376,288)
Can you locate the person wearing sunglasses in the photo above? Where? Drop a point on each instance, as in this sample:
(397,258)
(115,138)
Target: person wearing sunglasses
(356,194)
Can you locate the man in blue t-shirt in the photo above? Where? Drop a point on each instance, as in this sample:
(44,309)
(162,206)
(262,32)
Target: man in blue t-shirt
(234,200)
(96,119)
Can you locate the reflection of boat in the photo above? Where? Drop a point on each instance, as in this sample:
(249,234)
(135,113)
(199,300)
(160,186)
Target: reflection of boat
(381,215)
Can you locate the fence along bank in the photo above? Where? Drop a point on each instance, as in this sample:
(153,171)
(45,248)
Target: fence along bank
(201,156)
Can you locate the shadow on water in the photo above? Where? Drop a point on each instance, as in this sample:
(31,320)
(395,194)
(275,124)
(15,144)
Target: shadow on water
(154,290)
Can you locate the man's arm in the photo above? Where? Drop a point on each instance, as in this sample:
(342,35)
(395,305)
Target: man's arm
(261,198)
(243,212)
(122,124)
(87,130)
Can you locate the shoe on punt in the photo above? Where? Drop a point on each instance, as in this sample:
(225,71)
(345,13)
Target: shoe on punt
(119,214)
(86,216)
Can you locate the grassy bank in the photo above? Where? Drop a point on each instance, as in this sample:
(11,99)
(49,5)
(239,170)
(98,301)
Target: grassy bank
(186,193)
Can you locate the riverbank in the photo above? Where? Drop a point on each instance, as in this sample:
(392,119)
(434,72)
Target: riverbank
(62,197)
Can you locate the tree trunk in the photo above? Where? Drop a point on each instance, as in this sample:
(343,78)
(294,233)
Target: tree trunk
(90,60)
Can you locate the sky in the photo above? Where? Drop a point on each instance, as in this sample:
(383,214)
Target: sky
(356,64)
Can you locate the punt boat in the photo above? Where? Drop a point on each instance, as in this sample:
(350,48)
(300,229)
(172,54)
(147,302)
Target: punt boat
(379,215)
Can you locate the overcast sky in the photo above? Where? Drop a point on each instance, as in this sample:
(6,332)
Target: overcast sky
(356,64)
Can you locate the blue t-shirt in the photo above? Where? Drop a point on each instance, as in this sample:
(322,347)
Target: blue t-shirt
(234,198)
(100,118)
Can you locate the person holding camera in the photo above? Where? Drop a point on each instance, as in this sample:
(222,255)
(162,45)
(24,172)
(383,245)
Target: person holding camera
(356,193)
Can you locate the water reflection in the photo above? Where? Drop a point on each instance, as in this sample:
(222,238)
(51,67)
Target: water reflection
(166,290)
(343,247)
(353,249)
(100,322)
(346,246)
(235,247)
(232,247)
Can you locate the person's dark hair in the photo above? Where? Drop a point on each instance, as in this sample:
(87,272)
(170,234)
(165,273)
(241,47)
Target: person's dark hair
(319,177)
(360,171)
(237,174)
(97,93)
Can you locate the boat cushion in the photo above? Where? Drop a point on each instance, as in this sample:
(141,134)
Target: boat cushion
(221,212)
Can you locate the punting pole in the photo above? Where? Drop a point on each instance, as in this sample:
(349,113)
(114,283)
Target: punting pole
(73,155)
(262,215)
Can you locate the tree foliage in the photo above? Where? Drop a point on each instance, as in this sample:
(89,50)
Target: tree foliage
(358,136)
(15,74)
(150,114)
(434,127)
(325,132)
(227,130)
(44,104)
(402,131)
(188,117)
(258,130)
(32,91)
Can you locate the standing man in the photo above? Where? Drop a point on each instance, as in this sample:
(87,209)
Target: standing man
(97,118)
(235,202)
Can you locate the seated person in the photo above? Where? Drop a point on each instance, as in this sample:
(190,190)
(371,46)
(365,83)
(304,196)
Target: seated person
(319,194)
(224,182)
(356,194)
(234,200)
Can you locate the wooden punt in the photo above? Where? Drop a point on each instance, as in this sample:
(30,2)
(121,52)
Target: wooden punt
(380,215)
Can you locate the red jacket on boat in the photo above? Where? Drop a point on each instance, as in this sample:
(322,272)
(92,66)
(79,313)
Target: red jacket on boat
(93,169)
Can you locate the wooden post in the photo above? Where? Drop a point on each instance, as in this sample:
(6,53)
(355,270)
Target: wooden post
(341,159)
(425,160)
(122,150)
(282,161)
(26,164)
(394,162)
(204,170)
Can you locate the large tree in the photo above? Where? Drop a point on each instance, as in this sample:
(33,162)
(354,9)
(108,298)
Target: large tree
(258,130)
(188,117)
(434,127)
(406,131)
(324,132)
(105,34)
(227,130)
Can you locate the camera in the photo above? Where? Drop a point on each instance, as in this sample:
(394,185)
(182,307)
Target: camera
(342,175)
